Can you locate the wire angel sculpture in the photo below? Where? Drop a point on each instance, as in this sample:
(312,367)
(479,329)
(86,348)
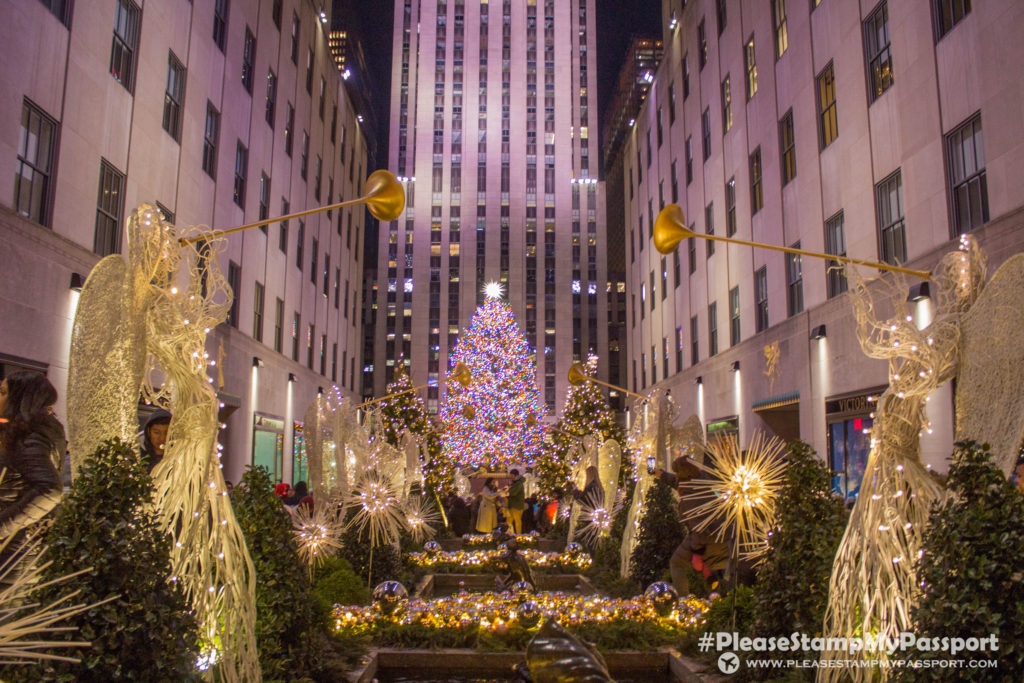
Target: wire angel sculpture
(109,336)
(209,555)
(873,582)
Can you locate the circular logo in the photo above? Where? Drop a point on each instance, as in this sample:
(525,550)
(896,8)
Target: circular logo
(728,662)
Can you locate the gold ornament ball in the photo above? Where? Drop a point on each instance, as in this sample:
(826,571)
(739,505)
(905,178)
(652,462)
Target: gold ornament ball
(469,412)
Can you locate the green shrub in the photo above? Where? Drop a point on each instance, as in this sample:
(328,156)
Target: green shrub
(387,562)
(791,591)
(335,583)
(660,532)
(146,632)
(287,627)
(970,571)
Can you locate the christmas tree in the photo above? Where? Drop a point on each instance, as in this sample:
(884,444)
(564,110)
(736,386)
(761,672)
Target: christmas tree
(497,418)
(407,413)
(586,411)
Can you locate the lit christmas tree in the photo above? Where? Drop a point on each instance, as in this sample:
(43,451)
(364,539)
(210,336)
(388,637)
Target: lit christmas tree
(407,412)
(586,411)
(497,419)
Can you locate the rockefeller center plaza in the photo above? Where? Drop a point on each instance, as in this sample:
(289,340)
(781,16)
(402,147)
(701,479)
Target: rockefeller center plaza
(541,341)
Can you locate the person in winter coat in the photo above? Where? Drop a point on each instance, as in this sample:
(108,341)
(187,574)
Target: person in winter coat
(154,438)
(32,443)
(487,517)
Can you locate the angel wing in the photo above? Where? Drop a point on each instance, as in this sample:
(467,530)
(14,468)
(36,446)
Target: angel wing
(609,462)
(991,372)
(107,361)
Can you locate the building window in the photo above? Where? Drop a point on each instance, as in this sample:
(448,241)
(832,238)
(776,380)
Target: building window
(787,143)
(309,72)
(278,325)
(709,227)
(271,99)
(126,36)
(694,344)
(59,8)
(275,13)
(36,141)
(264,199)
(220,23)
(241,173)
(835,243)
(310,336)
(686,78)
(734,316)
(779,23)
(691,248)
(849,442)
(210,135)
(675,268)
(969,190)
(726,105)
(761,299)
(756,192)
(827,122)
(257,312)
(794,283)
(720,11)
(679,349)
(713,328)
(304,167)
(248,60)
(877,51)
(730,207)
(289,129)
(750,62)
(323,354)
(235,283)
(671,103)
(296,326)
(174,96)
(315,256)
(949,13)
(109,208)
(689,160)
(323,96)
(661,131)
(892,233)
(702,45)
(282,237)
(300,243)
(295,39)
(705,132)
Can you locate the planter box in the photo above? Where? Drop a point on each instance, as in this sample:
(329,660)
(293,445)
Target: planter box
(663,664)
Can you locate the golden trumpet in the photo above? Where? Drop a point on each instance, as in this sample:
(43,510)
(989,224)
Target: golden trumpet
(387,396)
(577,376)
(670,229)
(384,198)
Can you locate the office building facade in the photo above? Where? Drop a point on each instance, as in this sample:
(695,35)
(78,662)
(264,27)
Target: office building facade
(881,131)
(493,131)
(223,113)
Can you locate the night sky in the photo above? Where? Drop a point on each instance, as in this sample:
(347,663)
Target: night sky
(617,21)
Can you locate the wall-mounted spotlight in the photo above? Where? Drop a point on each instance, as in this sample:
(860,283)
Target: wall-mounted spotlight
(700,380)
(919,291)
(735,366)
(818,332)
(257,362)
(673,22)
(77,282)
(292,377)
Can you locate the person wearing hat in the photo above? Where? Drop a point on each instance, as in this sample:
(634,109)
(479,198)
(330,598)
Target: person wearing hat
(154,438)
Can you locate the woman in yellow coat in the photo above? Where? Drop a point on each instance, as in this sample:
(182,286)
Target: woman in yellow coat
(487,516)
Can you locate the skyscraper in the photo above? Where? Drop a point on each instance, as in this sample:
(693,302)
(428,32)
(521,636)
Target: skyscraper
(493,126)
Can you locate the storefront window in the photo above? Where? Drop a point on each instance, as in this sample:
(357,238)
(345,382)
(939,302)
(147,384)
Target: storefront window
(300,466)
(849,442)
